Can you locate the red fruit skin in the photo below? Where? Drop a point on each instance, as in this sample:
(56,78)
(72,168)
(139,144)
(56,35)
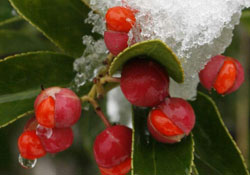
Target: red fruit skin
(120,19)
(67,106)
(113,146)
(180,112)
(45,112)
(116,42)
(67,109)
(61,139)
(30,146)
(180,120)
(163,124)
(209,73)
(45,94)
(144,83)
(31,124)
(239,78)
(226,77)
(121,169)
(160,137)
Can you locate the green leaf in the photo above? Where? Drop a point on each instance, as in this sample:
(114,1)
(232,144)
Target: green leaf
(216,152)
(5,11)
(153,158)
(153,49)
(194,170)
(86,2)
(245,20)
(21,77)
(62,21)
(16,42)
(91,126)
(10,21)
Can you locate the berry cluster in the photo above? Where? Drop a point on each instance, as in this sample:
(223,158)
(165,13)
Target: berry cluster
(145,83)
(56,110)
(119,21)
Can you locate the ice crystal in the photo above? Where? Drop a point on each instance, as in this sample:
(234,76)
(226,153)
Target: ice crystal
(195,30)
(88,65)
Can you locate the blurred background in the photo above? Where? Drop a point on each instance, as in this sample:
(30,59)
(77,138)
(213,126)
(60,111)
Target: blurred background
(17,36)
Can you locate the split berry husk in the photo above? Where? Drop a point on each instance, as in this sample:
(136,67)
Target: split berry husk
(144,82)
(224,74)
(121,169)
(57,107)
(30,146)
(170,121)
(112,149)
(120,19)
(116,42)
(60,140)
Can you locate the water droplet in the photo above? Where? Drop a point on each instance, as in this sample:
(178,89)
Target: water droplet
(86,107)
(44,131)
(13,12)
(26,163)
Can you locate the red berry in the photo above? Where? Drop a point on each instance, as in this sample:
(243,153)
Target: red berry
(30,146)
(112,147)
(226,77)
(115,41)
(120,19)
(144,82)
(121,169)
(57,107)
(171,120)
(60,140)
(31,124)
(45,112)
(224,74)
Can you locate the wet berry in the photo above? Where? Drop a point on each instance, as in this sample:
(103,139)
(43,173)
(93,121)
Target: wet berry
(57,107)
(115,41)
(112,149)
(60,140)
(120,19)
(144,82)
(170,121)
(30,146)
(222,73)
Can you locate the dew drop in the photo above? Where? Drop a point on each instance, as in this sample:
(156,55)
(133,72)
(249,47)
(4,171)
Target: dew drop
(26,163)
(86,107)
(44,131)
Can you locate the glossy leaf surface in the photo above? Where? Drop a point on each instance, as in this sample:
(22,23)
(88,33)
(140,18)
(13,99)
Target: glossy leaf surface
(215,151)
(21,77)
(153,158)
(62,21)
(153,49)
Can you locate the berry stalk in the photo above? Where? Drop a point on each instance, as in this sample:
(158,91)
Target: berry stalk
(97,108)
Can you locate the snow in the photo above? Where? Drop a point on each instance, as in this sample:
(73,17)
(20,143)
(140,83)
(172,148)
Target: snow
(195,30)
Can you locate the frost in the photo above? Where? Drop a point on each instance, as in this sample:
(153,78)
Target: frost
(97,21)
(195,30)
(88,65)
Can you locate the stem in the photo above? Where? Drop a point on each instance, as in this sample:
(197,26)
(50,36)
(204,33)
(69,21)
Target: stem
(97,90)
(92,92)
(97,108)
(109,79)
